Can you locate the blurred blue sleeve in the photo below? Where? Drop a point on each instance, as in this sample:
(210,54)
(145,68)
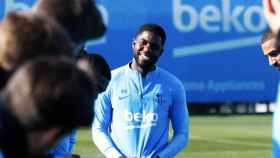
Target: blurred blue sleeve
(1,155)
(61,149)
(72,140)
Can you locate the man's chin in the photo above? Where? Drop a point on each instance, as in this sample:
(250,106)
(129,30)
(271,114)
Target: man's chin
(146,64)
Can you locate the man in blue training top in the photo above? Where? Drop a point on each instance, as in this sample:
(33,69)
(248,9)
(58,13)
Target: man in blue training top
(271,50)
(132,116)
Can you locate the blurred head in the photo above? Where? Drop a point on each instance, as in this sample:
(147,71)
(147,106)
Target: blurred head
(25,36)
(271,49)
(148,46)
(80,18)
(272,14)
(97,69)
(50,97)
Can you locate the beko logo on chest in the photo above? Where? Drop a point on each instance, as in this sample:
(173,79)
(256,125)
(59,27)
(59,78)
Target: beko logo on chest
(141,117)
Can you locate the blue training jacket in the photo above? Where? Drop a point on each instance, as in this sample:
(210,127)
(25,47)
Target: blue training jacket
(132,116)
(64,146)
(276,128)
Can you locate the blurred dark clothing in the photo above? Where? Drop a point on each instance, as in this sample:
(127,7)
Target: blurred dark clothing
(13,143)
(4,76)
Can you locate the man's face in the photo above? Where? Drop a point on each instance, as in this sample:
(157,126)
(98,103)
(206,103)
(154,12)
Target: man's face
(147,48)
(272,53)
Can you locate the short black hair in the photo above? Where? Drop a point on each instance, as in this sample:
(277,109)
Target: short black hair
(267,36)
(155,28)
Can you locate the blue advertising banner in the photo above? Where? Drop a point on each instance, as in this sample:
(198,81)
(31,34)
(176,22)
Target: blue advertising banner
(212,46)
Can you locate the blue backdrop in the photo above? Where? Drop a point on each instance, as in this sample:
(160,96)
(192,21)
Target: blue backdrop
(212,46)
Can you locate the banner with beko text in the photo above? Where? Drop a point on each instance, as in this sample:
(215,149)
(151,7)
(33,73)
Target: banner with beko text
(213,46)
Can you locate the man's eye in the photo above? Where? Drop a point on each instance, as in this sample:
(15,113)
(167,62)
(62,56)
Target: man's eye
(143,42)
(274,53)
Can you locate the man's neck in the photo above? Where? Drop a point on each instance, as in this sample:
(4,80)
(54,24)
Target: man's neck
(143,71)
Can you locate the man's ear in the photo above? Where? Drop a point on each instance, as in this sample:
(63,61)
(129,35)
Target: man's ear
(133,44)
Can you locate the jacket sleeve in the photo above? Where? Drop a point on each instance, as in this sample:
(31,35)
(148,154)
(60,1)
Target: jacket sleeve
(101,124)
(61,149)
(1,155)
(180,123)
(72,140)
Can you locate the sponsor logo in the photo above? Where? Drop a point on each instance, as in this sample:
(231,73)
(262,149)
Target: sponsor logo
(122,97)
(223,17)
(123,94)
(212,18)
(140,120)
(123,91)
(158,99)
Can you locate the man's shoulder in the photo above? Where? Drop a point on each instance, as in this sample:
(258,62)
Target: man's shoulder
(168,76)
(118,73)
(170,80)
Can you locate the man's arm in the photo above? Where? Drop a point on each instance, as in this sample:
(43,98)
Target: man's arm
(61,149)
(180,124)
(100,126)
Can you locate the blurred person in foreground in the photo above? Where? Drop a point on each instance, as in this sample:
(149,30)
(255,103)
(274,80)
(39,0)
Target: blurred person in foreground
(271,49)
(25,36)
(97,69)
(132,116)
(33,101)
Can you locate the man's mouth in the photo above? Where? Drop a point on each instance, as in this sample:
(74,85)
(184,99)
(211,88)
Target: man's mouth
(144,57)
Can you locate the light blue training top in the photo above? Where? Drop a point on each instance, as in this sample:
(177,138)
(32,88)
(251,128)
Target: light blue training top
(276,128)
(132,116)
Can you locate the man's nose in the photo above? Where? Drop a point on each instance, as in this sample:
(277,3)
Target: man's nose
(147,47)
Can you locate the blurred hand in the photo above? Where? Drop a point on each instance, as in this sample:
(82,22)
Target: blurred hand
(272,14)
